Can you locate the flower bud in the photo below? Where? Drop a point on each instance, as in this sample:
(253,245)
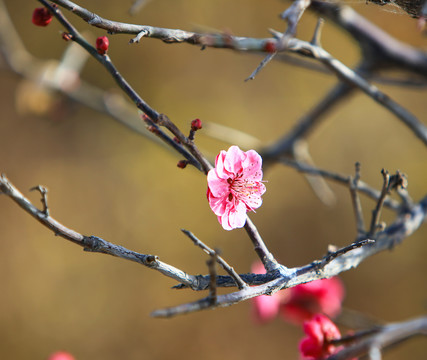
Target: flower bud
(102,44)
(196,124)
(41,16)
(182,164)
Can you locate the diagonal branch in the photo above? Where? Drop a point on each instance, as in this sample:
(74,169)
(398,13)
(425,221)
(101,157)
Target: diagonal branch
(94,243)
(152,116)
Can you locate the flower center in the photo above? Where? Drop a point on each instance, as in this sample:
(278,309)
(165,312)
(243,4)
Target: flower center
(243,189)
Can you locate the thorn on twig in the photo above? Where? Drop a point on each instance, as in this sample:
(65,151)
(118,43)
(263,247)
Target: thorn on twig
(317,32)
(43,192)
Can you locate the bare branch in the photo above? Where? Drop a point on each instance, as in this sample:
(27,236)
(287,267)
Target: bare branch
(93,243)
(251,44)
(152,116)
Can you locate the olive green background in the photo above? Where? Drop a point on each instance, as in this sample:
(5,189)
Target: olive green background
(107,181)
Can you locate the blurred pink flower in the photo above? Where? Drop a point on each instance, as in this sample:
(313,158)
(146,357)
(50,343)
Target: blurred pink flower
(61,355)
(301,302)
(235,186)
(265,307)
(319,296)
(317,344)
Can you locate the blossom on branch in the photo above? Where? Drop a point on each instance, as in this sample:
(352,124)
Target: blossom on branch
(235,186)
(317,344)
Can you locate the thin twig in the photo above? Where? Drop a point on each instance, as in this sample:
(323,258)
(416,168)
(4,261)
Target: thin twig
(163,120)
(342,179)
(376,213)
(229,269)
(355,199)
(333,255)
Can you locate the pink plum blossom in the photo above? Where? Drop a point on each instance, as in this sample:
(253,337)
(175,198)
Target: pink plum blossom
(319,296)
(235,186)
(317,344)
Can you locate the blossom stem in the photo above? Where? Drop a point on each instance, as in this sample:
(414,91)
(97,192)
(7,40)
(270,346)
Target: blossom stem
(267,258)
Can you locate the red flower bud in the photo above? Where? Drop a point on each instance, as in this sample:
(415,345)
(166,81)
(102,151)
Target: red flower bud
(196,124)
(102,45)
(41,17)
(182,164)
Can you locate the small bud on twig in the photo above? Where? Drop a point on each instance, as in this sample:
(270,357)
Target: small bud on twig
(102,44)
(66,36)
(182,164)
(41,16)
(196,124)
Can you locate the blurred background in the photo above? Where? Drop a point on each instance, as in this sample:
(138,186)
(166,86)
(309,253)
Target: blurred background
(108,181)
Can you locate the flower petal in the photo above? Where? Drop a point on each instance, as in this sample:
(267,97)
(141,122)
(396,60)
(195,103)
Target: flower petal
(233,160)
